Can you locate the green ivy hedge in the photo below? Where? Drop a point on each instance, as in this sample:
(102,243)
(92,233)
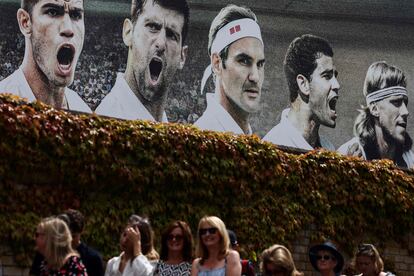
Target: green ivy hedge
(51,160)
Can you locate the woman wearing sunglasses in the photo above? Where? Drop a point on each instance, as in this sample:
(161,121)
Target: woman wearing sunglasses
(176,250)
(368,261)
(326,259)
(277,261)
(213,250)
(136,244)
(54,242)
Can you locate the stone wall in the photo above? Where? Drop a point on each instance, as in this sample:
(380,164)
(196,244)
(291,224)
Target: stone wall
(8,265)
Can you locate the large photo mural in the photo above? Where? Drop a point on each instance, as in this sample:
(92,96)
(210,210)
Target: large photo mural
(298,74)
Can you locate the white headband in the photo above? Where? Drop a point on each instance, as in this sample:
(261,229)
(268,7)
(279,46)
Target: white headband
(228,34)
(385,93)
(233,31)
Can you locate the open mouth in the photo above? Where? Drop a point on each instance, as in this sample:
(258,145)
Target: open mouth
(155,68)
(332,103)
(402,124)
(65,55)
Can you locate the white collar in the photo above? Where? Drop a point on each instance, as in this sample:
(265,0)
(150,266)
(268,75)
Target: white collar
(24,85)
(223,117)
(131,102)
(27,92)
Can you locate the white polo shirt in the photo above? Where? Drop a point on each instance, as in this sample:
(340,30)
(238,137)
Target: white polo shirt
(285,134)
(17,84)
(122,103)
(216,118)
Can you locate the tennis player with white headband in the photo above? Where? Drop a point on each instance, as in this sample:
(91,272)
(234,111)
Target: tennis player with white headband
(237,63)
(380,128)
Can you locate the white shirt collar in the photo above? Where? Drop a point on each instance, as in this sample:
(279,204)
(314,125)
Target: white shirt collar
(222,116)
(297,136)
(71,103)
(26,91)
(131,103)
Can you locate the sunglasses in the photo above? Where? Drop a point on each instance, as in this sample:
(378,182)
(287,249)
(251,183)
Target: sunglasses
(177,238)
(204,231)
(324,257)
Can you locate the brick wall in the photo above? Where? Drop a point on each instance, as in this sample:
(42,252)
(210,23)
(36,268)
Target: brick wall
(8,266)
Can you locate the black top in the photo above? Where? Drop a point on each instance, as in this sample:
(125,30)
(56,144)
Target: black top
(90,258)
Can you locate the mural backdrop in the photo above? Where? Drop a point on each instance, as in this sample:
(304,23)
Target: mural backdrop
(359,33)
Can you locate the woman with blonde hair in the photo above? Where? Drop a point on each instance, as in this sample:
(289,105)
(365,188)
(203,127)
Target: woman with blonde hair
(277,260)
(54,242)
(368,261)
(214,256)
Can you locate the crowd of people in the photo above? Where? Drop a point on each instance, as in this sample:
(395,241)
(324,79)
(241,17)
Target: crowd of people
(60,251)
(129,68)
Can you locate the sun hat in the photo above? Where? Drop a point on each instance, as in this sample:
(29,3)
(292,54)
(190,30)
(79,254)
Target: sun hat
(327,246)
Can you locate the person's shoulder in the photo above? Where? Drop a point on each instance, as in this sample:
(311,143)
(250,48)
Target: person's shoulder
(37,261)
(74,259)
(112,260)
(10,84)
(195,266)
(75,102)
(410,153)
(89,252)
(112,94)
(76,265)
(352,148)
(88,249)
(326,144)
(274,134)
(196,260)
(208,122)
(345,146)
(203,120)
(109,105)
(233,255)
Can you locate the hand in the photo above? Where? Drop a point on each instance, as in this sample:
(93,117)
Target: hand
(355,150)
(134,236)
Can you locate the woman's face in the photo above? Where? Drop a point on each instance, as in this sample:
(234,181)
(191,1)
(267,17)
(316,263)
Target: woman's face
(365,265)
(175,240)
(124,242)
(40,240)
(325,261)
(209,234)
